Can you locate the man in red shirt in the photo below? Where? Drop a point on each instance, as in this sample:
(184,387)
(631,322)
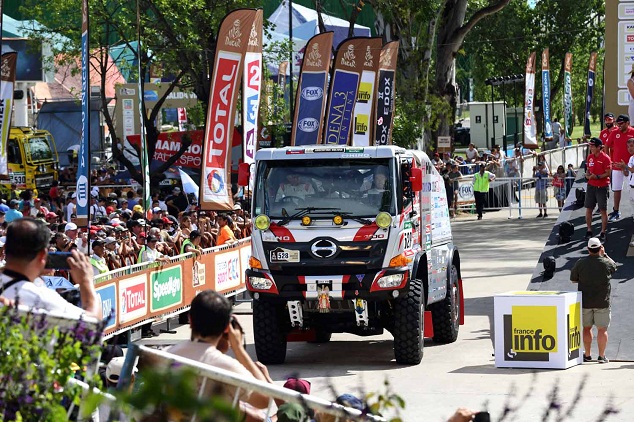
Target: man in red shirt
(608,119)
(617,150)
(598,172)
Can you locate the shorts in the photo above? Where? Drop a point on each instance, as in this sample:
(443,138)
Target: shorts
(595,195)
(616,180)
(560,193)
(596,316)
(541,196)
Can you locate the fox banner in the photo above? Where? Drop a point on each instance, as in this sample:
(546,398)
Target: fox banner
(233,37)
(385,90)
(568,116)
(7,85)
(83,168)
(344,86)
(311,99)
(362,116)
(548,128)
(589,92)
(251,88)
(530,133)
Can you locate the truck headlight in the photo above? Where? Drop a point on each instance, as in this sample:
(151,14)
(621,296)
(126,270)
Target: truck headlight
(262,222)
(390,281)
(260,283)
(383,220)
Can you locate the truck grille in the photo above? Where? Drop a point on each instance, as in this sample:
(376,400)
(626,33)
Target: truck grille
(44,180)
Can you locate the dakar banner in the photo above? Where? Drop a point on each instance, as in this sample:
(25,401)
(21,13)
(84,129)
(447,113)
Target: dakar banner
(311,99)
(568,116)
(530,135)
(589,92)
(362,116)
(385,91)
(548,128)
(251,87)
(7,85)
(83,168)
(344,86)
(233,38)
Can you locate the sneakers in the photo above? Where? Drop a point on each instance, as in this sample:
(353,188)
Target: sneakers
(602,359)
(539,216)
(614,215)
(545,215)
(588,235)
(587,358)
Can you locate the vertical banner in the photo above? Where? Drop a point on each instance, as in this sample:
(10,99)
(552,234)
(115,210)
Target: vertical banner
(7,85)
(548,128)
(362,116)
(251,87)
(385,90)
(145,161)
(530,136)
(83,168)
(233,37)
(568,116)
(589,92)
(311,89)
(344,86)
(281,76)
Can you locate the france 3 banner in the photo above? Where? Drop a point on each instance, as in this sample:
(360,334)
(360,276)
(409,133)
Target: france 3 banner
(344,86)
(568,116)
(548,128)
(385,90)
(83,169)
(590,92)
(231,48)
(311,99)
(530,132)
(362,116)
(7,85)
(251,88)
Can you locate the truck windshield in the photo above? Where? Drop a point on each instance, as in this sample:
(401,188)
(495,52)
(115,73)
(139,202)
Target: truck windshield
(38,149)
(354,187)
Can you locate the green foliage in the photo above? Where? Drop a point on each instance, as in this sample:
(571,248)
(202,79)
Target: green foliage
(386,402)
(37,360)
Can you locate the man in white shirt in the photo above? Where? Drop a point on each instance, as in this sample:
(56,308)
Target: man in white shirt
(71,207)
(294,187)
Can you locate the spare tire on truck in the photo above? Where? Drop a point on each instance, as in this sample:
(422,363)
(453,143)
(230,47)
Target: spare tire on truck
(408,328)
(446,313)
(269,332)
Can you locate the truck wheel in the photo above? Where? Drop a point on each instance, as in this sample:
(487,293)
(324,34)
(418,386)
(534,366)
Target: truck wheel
(321,337)
(408,325)
(446,313)
(270,341)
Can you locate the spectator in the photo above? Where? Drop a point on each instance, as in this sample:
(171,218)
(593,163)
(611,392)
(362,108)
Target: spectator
(112,252)
(571,174)
(472,154)
(481,188)
(38,208)
(98,258)
(80,240)
(598,174)
(559,186)
(617,150)
(149,253)
(177,202)
(225,232)
(71,206)
(192,244)
(453,177)
(541,184)
(13,213)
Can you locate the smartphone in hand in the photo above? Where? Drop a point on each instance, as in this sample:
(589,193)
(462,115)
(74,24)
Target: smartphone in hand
(58,260)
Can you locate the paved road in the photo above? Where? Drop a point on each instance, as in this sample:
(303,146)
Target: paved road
(498,255)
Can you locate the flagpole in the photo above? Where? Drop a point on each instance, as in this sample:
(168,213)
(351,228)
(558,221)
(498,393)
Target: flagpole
(143,158)
(290,59)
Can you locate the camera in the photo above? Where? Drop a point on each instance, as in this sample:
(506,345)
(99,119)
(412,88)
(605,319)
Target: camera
(58,260)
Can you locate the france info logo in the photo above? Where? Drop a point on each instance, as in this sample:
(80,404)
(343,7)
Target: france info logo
(530,333)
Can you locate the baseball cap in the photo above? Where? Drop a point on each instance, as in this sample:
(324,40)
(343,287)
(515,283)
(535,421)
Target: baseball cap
(623,118)
(594,243)
(609,117)
(108,240)
(167,220)
(51,214)
(112,195)
(350,400)
(237,207)
(138,208)
(113,370)
(152,239)
(141,221)
(70,226)
(14,202)
(37,200)
(291,412)
(297,384)
(156,209)
(74,195)
(120,229)
(176,190)
(97,243)
(142,235)
(596,142)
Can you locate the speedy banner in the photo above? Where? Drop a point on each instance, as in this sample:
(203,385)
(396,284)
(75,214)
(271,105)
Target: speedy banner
(83,168)
(166,286)
(530,135)
(233,38)
(251,87)
(7,85)
(311,99)
(568,117)
(384,117)
(589,92)
(344,86)
(363,108)
(548,128)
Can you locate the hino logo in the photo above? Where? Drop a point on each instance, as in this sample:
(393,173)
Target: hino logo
(323,249)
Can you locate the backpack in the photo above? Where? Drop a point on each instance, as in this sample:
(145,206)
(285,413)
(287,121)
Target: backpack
(550,265)
(566,230)
(580,195)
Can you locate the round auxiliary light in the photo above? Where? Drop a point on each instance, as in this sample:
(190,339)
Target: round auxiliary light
(383,220)
(262,222)
(338,220)
(306,220)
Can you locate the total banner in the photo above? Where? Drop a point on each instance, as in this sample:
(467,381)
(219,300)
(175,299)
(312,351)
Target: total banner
(82,187)
(548,128)
(233,38)
(7,86)
(589,92)
(384,114)
(362,116)
(251,88)
(530,131)
(311,99)
(568,116)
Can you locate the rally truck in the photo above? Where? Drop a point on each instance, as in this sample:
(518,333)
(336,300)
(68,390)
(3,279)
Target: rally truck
(338,248)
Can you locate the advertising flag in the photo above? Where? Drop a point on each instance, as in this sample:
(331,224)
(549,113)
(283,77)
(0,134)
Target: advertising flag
(530,133)
(145,160)
(251,88)
(83,168)
(548,128)
(233,38)
(568,116)
(385,90)
(344,86)
(311,92)
(7,84)
(589,92)
(362,116)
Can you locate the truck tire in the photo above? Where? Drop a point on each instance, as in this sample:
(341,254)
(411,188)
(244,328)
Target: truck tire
(270,340)
(446,313)
(408,325)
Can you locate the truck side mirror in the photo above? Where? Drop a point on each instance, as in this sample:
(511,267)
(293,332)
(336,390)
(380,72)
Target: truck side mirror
(244,170)
(416,179)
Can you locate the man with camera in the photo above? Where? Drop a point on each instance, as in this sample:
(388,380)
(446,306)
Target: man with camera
(26,251)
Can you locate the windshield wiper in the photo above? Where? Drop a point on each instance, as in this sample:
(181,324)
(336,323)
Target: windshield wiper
(361,220)
(302,212)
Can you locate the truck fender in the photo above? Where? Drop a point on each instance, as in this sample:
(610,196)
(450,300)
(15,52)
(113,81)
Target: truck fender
(419,271)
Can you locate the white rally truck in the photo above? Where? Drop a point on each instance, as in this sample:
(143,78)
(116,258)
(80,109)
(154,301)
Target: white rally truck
(351,239)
